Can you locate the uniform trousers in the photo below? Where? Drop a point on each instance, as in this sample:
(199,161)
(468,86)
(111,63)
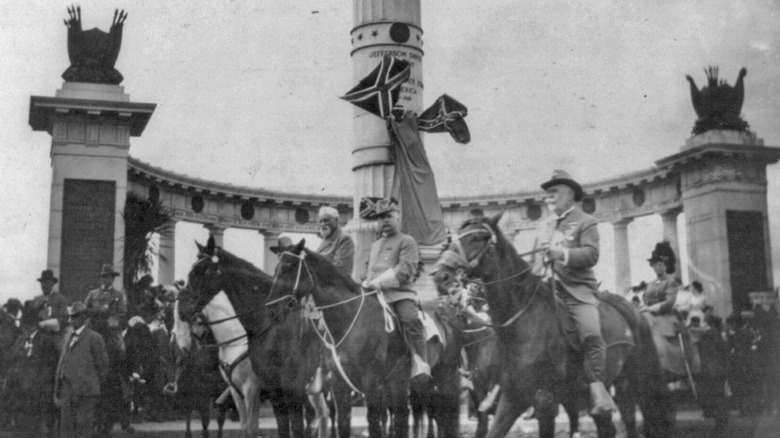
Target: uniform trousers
(587,320)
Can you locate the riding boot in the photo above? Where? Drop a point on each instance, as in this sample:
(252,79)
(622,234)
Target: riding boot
(415,338)
(595,360)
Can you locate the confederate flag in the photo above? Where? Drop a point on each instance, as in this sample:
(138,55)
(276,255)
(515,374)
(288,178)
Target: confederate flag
(378,92)
(446,115)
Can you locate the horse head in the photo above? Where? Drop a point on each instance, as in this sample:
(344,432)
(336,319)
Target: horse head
(473,252)
(292,278)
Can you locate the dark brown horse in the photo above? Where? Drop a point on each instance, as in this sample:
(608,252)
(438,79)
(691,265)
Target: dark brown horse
(284,357)
(539,367)
(362,355)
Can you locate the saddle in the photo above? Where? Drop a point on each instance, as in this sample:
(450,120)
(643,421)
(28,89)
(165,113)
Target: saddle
(614,328)
(672,355)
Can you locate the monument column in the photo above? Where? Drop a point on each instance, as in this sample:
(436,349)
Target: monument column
(217,232)
(622,258)
(669,219)
(380,27)
(90,126)
(270,260)
(166,269)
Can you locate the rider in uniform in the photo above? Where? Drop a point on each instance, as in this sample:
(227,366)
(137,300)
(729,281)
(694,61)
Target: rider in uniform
(392,268)
(108,307)
(571,248)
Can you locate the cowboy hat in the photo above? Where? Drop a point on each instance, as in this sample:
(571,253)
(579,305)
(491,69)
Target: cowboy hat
(107,270)
(561,177)
(77,308)
(48,274)
(282,244)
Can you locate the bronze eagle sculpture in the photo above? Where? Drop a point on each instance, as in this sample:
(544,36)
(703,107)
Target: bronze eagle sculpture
(93,53)
(718,105)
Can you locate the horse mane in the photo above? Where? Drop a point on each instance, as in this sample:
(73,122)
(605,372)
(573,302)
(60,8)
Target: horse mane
(503,246)
(328,274)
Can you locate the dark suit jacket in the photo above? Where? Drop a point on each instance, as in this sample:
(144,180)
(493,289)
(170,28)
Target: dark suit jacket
(578,233)
(85,364)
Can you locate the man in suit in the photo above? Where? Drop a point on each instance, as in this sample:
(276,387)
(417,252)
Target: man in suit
(51,306)
(571,242)
(82,368)
(336,245)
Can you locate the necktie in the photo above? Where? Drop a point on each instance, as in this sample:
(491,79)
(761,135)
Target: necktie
(73,340)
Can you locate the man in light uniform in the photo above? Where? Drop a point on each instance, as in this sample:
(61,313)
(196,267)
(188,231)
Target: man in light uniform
(392,268)
(571,242)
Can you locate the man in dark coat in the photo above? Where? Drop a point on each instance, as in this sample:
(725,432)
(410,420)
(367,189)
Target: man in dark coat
(82,368)
(51,306)
(571,242)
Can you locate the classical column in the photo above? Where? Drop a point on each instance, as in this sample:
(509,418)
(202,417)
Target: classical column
(166,263)
(90,127)
(622,259)
(380,27)
(669,219)
(217,232)
(270,260)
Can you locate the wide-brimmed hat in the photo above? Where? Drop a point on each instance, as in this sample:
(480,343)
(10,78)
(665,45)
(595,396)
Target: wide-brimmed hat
(48,274)
(107,270)
(282,244)
(663,253)
(77,308)
(561,177)
(371,208)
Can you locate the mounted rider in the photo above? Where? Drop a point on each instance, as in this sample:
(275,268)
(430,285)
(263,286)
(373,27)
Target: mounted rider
(108,307)
(392,268)
(336,245)
(570,242)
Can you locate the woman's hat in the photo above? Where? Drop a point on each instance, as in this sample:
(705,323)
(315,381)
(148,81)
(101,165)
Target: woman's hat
(663,253)
(371,208)
(48,275)
(107,270)
(561,177)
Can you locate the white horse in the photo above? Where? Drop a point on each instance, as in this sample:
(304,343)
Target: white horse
(235,366)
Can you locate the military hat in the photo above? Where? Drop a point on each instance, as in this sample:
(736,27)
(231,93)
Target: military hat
(371,208)
(107,270)
(48,274)
(561,177)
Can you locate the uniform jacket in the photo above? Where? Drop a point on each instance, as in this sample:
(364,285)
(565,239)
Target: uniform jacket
(53,305)
(399,253)
(578,234)
(117,307)
(662,290)
(340,250)
(85,364)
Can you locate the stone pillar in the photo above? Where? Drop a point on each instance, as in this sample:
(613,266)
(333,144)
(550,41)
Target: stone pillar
(270,260)
(166,264)
(622,258)
(90,126)
(380,27)
(669,219)
(218,232)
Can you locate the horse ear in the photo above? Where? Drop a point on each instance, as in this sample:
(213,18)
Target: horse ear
(493,221)
(200,247)
(210,245)
(300,245)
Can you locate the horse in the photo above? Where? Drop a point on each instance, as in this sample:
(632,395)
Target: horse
(194,379)
(365,355)
(283,355)
(234,363)
(9,334)
(540,367)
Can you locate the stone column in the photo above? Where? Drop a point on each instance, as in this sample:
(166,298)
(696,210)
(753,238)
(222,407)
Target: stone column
(270,260)
(90,127)
(669,219)
(622,258)
(380,27)
(218,232)
(166,264)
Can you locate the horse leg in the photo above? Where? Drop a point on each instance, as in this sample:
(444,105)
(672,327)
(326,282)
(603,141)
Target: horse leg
(205,410)
(222,409)
(251,409)
(570,406)
(296,401)
(605,426)
(658,411)
(319,423)
(626,399)
(418,403)
(399,402)
(282,418)
(506,414)
(187,431)
(546,420)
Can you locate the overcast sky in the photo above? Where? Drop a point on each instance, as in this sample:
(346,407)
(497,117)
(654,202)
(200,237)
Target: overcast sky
(247,93)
